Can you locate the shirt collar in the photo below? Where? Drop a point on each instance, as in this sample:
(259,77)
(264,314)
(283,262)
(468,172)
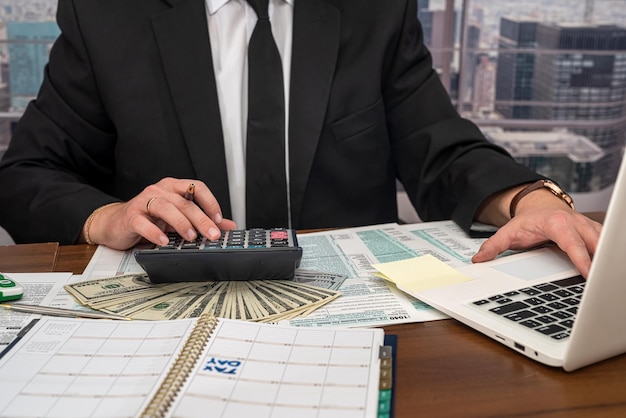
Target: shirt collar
(215,5)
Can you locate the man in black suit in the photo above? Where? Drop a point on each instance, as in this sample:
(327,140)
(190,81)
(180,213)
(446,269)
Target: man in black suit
(137,103)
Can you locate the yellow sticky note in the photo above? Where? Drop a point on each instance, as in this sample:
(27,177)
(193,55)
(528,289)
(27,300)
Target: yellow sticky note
(419,273)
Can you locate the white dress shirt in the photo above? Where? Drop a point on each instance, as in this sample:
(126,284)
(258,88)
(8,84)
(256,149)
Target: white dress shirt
(231,23)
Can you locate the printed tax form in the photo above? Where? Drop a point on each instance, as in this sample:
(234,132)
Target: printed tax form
(367,300)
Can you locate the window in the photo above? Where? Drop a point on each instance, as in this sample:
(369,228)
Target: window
(557,66)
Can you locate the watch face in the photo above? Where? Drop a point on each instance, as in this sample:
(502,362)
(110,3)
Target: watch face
(554,188)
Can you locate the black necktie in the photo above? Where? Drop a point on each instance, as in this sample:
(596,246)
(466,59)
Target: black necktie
(266,184)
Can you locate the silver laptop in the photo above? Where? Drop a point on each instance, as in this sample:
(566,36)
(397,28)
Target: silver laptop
(537,304)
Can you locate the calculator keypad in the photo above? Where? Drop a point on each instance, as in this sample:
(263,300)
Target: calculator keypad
(235,239)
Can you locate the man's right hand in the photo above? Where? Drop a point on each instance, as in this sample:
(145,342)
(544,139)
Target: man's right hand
(158,208)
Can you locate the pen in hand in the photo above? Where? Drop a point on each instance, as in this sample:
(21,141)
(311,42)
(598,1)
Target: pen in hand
(190,191)
(53,311)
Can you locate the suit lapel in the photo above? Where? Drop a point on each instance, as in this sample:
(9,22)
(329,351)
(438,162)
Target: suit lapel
(182,36)
(314,55)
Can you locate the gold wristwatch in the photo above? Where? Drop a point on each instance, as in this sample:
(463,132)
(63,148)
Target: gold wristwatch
(541,184)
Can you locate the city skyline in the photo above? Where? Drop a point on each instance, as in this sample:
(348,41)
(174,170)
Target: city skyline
(526,87)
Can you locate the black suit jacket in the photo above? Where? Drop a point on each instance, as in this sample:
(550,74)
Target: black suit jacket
(129,97)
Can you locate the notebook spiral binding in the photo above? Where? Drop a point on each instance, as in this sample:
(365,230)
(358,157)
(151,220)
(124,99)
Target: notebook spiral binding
(162,400)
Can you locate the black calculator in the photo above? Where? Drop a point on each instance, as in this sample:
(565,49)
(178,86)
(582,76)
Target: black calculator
(253,254)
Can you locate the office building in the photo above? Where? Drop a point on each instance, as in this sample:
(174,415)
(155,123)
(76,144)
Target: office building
(422,14)
(483,87)
(515,69)
(571,160)
(441,34)
(571,75)
(585,79)
(27,29)
(29,47)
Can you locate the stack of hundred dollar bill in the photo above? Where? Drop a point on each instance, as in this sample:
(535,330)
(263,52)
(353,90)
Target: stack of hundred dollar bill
(134,296)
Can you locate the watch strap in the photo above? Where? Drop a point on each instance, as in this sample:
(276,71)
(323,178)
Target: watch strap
(540,184)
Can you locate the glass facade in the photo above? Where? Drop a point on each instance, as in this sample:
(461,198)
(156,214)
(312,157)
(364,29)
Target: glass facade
(544,78)
(27,30)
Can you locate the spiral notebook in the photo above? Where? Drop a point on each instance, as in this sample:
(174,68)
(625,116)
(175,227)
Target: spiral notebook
(68,367)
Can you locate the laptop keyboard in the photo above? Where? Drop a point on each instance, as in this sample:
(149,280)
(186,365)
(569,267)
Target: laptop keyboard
(548,308)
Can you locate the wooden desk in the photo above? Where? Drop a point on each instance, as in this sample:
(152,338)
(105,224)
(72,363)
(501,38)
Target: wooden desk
(445,369)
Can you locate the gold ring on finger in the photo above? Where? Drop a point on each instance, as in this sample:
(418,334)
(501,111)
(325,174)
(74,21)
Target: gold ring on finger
(148,205)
